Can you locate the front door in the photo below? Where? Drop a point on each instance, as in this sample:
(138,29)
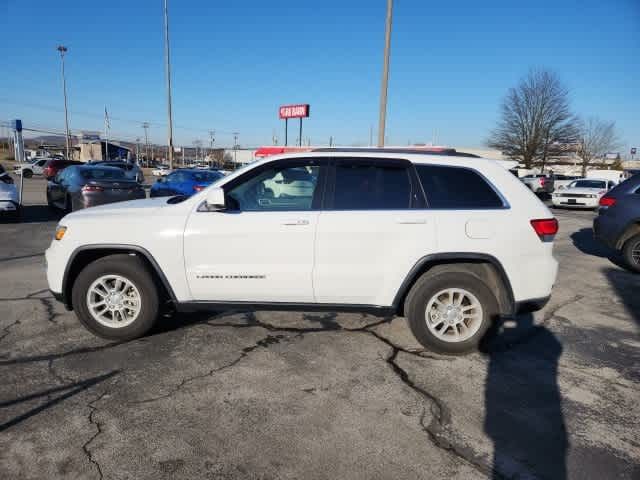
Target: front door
(261,248)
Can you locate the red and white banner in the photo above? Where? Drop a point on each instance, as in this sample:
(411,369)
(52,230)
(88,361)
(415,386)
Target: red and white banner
(294,111)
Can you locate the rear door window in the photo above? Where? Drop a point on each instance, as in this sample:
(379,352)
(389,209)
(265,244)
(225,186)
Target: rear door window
(457,187)
(370,185)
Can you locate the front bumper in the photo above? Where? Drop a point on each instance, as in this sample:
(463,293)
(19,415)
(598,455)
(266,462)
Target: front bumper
(532,305)
(577,202)
(8,206)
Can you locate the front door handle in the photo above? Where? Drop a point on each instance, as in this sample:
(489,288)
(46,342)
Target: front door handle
(411,221)
(296,222)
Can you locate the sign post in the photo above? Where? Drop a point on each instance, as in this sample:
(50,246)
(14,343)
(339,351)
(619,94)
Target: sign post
(18,149)
(633,152)
(286,112)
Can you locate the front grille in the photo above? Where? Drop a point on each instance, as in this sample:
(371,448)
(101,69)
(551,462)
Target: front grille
(576,195)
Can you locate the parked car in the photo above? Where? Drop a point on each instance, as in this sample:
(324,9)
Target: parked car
(53,166)
(618,222)
(131,170)
(183,182)
(9,205)
(31,168)
(161,171)
(83,186)
(449,242)
(561,181)
(538,183)
(583,193)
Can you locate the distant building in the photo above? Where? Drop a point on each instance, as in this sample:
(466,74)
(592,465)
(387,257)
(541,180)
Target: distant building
(95,150)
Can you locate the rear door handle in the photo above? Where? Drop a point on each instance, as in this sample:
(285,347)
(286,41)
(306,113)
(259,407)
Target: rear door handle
(411,221)
(296,222)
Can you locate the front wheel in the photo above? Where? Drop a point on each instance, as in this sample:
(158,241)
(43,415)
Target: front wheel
(116,298)
(449,312)
(27,173)
(631,253)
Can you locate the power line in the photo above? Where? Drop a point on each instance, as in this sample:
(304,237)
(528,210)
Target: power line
(101,116)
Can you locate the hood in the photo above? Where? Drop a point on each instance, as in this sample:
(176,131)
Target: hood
(134,208)
(587,191)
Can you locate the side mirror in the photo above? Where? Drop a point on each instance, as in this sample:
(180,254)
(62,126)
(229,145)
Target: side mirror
(215,199)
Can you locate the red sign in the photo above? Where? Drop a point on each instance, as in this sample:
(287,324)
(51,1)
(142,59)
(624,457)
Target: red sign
(294,111)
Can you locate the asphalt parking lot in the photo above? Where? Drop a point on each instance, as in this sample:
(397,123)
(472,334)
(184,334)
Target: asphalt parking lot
(292,395)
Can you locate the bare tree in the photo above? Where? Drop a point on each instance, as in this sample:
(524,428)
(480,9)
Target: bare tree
(535,117)
(596,139)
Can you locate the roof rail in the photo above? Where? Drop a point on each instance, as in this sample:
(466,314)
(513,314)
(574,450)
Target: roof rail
(451,152)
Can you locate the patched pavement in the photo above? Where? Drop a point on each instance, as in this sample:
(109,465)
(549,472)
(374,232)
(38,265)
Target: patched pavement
(307,395)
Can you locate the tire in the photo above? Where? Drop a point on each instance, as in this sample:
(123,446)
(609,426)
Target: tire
(132,269)
(431,285)
(630,246)
(27,173)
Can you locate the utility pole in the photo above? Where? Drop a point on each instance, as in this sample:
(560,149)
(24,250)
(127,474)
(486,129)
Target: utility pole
(62,49)
(331,141)
(145,125)
(385,75)
(167,58)
(371,135)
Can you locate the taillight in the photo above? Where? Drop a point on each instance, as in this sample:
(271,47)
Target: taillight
(542,181)
(607,202)
(92,188)
(545,228)
(199,188)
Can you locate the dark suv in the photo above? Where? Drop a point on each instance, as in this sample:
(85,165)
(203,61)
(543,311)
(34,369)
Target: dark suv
(618,222)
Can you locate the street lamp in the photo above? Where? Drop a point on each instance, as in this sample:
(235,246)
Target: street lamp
(62,49)
(385,75)
(168,75)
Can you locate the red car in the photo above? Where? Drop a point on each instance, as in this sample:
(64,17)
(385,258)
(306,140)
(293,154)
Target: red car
(53,166)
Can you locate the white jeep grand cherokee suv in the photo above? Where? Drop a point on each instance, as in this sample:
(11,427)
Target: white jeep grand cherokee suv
(449,242)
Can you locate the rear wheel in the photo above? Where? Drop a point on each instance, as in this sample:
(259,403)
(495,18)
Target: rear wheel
(631,253)
(116,298)
(449,312)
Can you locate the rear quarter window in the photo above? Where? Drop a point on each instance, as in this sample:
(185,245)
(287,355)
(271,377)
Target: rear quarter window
(457,187)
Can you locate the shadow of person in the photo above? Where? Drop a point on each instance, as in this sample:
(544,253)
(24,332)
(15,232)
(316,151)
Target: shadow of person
(523,411)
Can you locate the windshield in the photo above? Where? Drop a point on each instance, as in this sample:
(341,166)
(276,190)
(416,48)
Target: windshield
(589,184)
(102,174)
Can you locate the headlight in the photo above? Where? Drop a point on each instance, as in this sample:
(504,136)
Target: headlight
(60,231)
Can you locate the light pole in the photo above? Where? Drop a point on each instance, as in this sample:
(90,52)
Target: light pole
(145,125)
(385,75)
(235,148)
(168,74)
(62,49)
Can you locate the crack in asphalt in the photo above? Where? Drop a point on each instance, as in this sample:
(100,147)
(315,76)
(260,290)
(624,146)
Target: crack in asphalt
(21,257)
(264,342)
(438,429)
(85,447)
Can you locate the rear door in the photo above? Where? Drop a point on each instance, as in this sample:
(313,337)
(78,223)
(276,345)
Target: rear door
(372,230)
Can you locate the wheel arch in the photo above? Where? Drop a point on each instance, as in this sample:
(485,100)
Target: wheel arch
(83,256)
(632,229)
(484,266)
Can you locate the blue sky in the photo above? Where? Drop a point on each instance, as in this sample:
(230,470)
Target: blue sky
(234,62)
